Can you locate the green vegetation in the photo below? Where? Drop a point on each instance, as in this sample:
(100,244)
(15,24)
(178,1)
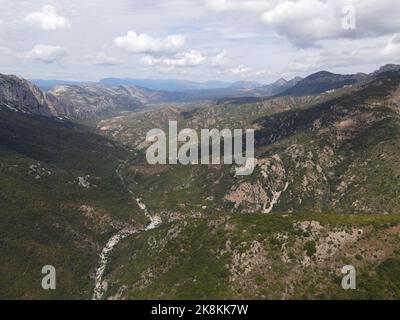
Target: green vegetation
(195,259)
(41,218)
(328,170)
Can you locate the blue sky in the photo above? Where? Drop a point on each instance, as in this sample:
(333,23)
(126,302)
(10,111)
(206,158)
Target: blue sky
(259,40)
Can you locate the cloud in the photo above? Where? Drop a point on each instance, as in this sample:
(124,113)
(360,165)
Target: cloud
(392,48)
(240,70)
(305,22)
(192,58)
(220,59)
(349,54)
(6,51)
(301,66)
(244,71)
(143,43)
(229,5)
(102,59)
(185,59)
(47,19)
(45,53)
(261,73)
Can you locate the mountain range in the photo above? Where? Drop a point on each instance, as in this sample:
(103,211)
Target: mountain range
(76,187)
(109,95)
(161,85)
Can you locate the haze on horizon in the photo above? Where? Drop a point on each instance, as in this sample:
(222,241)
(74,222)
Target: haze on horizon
(230,40)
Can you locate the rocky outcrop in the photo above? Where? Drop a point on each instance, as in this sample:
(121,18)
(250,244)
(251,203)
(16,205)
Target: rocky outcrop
(85,101)
(264,194)
(18,94)
(73,101)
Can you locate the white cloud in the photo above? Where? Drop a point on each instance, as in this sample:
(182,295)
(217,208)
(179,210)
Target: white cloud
(102,59)
(185,59)
(301,66)
(305,22)
(143,43)
(192,58)
(392,49)
(348,53)
(229,5)
(48,19)
(245,71)
(261,73)
(240,70)
(220,59)
(5,50)
(45,53)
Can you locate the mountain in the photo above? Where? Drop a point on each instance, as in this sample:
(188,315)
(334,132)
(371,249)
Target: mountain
(86,101)
(244,85)
(277,87)
(323,195)
(19,94)
(321,82)
(47,85)
(177,85)
(384,69)
(61,199)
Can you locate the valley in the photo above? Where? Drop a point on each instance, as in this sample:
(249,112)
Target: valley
(325,192)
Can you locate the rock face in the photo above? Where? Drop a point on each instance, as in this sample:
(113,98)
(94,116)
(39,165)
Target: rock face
(21,95)
(73,101)
(88,100)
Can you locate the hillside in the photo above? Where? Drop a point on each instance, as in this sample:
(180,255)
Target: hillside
(324,194)
(322,81)
(87,101)
(60,202)
(277,87)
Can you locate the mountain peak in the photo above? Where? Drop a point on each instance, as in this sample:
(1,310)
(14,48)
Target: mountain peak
(19,94)
(386,68)
(322,81)
(281,82)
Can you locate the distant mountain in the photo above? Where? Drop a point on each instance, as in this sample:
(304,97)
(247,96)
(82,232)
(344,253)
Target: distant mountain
(83,101)
(86,101)
(322,81)
(162,85)
(245,85)
(47,85)
(73,101)
(277,87)
(177,85)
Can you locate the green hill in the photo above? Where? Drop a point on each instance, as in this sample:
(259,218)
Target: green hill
(60,202)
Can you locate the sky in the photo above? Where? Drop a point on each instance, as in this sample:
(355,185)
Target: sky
(230,40)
